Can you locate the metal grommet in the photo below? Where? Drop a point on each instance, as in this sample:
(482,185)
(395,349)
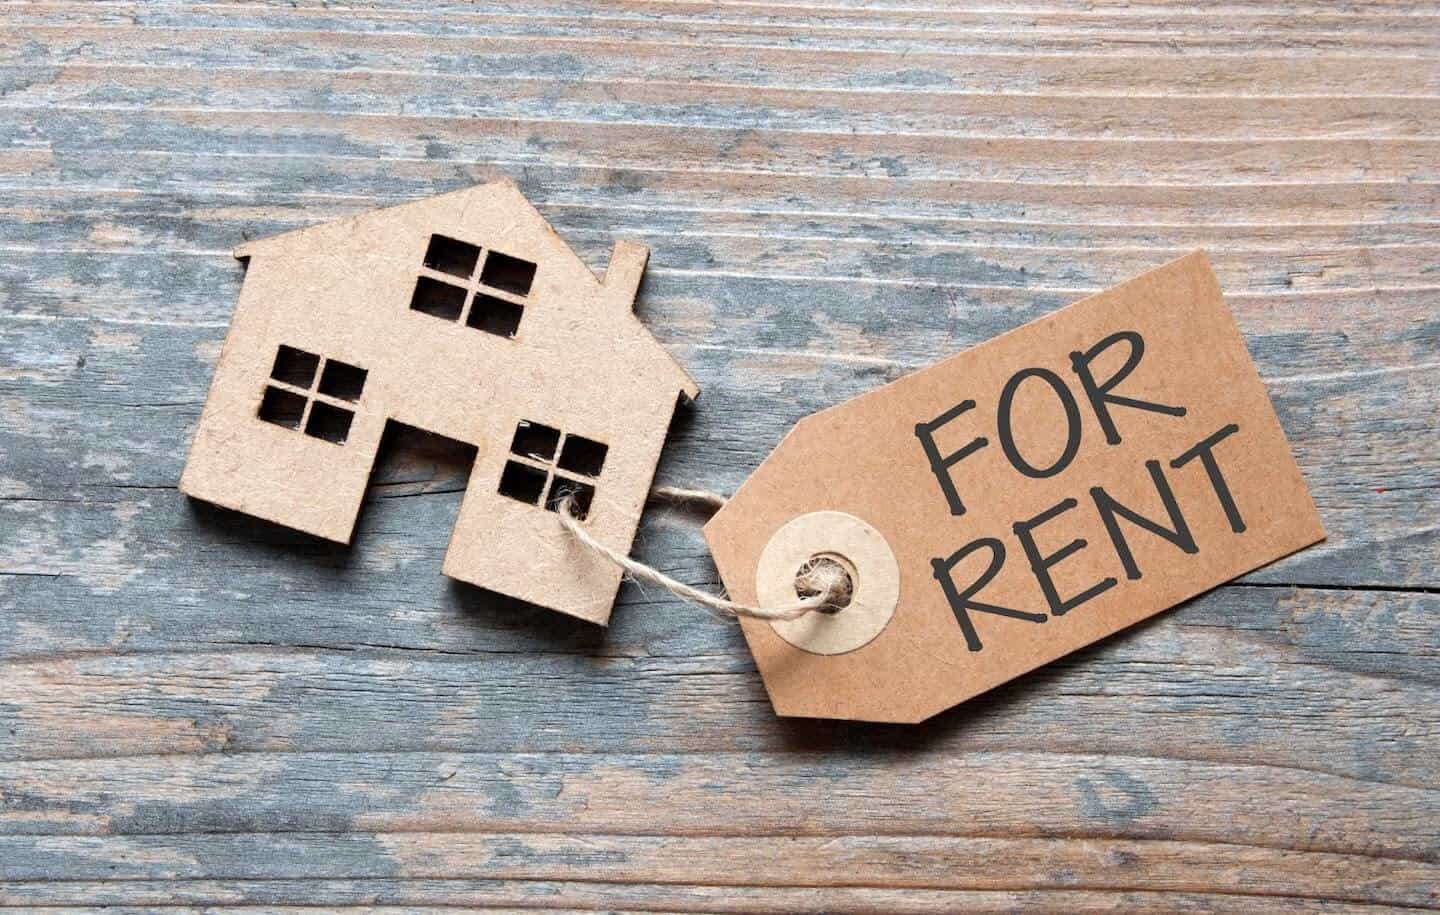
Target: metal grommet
(864,553)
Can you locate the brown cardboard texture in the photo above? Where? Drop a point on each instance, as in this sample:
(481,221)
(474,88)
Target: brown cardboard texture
(1037,493)
(464,315)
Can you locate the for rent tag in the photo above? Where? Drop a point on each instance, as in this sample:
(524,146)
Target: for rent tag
(1015,502)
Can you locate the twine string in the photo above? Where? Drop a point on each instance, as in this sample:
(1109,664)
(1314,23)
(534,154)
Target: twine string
(826,586)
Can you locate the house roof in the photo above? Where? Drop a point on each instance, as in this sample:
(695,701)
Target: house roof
(505,188)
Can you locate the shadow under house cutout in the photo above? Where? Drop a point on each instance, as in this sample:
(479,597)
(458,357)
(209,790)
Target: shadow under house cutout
(467,316)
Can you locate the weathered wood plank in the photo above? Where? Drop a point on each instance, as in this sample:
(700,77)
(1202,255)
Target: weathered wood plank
(974,113)
(912,59)
(517,897)
(1060,796)
(1233,670)
(129,220)
(934,304)
(787,249)
(833,868)
(796,23)
(295,182)
(618,793)
(646,146)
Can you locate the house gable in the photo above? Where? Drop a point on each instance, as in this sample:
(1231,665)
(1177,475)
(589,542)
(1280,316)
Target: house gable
(500,211)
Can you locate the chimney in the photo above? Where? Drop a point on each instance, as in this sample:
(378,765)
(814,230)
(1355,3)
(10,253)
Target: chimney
(622,277)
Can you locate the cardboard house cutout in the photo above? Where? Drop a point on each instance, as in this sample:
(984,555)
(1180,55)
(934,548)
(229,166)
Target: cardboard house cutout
(467,316)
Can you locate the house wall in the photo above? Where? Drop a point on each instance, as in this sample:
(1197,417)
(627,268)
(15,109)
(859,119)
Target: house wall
(519,550)
(580,362)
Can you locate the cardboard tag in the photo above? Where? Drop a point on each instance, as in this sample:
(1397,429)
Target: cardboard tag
(1015,502)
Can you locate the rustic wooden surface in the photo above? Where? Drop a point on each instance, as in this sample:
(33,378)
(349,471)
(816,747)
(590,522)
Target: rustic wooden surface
(200,710)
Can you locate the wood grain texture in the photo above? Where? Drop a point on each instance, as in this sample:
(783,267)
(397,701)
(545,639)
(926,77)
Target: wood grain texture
(201,711)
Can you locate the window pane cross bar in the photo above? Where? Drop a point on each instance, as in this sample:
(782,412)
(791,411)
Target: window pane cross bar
(473,286)
(312,393)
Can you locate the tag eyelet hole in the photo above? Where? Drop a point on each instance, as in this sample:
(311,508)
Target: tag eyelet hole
(857,548)
(819,573)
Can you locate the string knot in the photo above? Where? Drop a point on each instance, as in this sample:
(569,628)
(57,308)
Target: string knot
(824,577)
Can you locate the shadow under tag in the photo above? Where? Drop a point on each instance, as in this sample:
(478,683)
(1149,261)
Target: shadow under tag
(1015,502)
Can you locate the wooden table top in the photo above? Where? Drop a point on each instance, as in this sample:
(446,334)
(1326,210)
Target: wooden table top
(201,710)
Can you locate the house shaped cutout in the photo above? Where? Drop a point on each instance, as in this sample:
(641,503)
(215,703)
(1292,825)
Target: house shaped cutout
(465,315)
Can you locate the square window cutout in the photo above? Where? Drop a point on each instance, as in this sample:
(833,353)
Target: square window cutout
(583,456)
(447,255)
(342,380)
(511,274)
(330,423)
(495,316)
(438,299)
(581,496)
(534,440)
(294,366)
(282,407)
(522,482)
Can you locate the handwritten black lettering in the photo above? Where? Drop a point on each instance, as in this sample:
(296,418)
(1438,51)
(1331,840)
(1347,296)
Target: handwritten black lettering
(962,602)
(1099,393)
(1041,565)
(1111,510)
